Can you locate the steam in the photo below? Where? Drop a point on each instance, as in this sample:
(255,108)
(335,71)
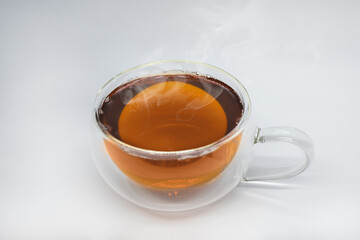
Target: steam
(219,26)
(230,33)
(170,95)
(188,112)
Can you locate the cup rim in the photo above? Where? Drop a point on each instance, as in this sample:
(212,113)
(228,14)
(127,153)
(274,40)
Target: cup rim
(181,154)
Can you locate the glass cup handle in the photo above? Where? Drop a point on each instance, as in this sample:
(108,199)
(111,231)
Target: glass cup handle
(284,135)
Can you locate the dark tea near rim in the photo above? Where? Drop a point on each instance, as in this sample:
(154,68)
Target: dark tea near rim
(171,113)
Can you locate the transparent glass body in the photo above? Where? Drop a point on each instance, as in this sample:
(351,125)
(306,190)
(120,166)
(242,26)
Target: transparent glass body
(192,178)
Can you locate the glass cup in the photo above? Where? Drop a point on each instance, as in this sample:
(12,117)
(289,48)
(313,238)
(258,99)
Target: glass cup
(192,178)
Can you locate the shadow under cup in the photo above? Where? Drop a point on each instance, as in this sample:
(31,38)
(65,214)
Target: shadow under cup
(173,169)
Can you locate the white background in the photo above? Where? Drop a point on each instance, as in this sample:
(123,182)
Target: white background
(300,61)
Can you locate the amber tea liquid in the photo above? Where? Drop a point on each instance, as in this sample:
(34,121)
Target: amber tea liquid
(171,113)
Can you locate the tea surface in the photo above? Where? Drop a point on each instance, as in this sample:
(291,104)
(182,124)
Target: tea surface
(171,112)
